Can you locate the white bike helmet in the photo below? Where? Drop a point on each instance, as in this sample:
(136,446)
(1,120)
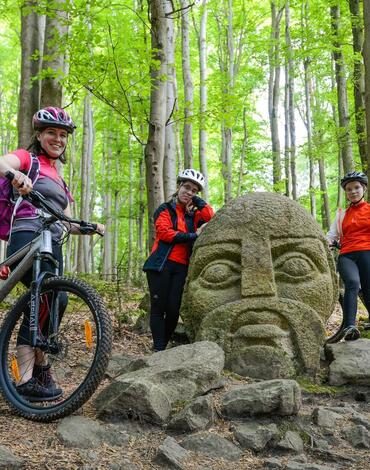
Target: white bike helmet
(192,175)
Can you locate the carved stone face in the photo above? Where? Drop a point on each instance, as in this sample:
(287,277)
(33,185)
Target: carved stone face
(261,284)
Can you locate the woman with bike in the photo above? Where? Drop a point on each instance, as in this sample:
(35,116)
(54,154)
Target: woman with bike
(52,127)
(178,223)
(351,228)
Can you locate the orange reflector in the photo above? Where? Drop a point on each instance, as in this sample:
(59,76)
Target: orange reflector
(88,334)
(15,369)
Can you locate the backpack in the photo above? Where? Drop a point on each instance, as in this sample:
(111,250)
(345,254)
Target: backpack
(10,200)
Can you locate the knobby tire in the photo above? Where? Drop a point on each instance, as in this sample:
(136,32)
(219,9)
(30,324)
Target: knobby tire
(85,302)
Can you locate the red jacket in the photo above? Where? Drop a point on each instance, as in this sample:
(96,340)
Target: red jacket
(175,232)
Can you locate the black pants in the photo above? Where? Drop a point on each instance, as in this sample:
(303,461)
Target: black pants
(19,240)
(166,289)
(354,269)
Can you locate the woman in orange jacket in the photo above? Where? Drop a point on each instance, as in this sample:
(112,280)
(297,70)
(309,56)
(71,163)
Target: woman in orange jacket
(351,229)
(178,223)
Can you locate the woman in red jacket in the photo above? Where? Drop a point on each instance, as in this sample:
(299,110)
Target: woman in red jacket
(352,229)
(177,224)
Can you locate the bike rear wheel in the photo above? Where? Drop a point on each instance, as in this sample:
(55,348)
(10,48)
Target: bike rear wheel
(78,352)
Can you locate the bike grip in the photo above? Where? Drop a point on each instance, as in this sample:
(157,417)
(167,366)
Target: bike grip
(10,175)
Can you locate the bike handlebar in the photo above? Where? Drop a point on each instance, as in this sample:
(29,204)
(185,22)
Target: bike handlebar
(39,201)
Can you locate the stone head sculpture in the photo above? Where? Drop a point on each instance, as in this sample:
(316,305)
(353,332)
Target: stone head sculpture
(261,284)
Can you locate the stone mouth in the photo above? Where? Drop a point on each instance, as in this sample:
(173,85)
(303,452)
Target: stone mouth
(271,330)
(265,330)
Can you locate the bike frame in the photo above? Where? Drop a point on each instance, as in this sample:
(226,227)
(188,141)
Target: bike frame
(32,255)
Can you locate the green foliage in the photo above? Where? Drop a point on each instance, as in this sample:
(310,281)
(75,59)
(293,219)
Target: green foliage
(109,55)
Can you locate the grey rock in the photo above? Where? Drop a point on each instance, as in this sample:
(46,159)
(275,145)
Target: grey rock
(358,418)
(167,377)
(123,363)
(255,436)
(301,458)
(124,464)
(276,397)
(8,460)
(291,442)
(307,466)
(196,416)
(321,444)
(212,445)
(350,362)
(171,454)
(84,433)
(325,418)
(273,463)
(358,436)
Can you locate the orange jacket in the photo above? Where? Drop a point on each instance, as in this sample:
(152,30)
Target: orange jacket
(356,229)
(175,232)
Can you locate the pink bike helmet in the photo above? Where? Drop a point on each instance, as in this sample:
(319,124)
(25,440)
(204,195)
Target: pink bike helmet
(52,117)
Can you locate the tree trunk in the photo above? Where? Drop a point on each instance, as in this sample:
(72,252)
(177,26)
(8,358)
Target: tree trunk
(169,163)
(86,163)
(55,34)
(140,237)
(366,54)
(154,150)
(243,153)
(29,93)
(325,207)
(188,86)
(292,152)
(130,241)
(202,44)
(358,80)
(273,95)
(340,76)
(308,98)
(287,133)
(107,176)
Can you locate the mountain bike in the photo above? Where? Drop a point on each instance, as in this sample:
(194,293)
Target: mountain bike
(76,340)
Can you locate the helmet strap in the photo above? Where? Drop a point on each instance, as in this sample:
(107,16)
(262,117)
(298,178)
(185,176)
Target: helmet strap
(356,202)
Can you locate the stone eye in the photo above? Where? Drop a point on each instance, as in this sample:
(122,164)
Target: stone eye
(295,267)
(220,274)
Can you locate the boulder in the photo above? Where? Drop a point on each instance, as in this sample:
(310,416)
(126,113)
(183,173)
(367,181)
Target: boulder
(168,377)
(350,362)
(271,397)
(291,442)
(212,445)
(171,454)
(85,433)
(255,436)
(325,418)
(196,416)
(262,285)
(8,460)
(358,436)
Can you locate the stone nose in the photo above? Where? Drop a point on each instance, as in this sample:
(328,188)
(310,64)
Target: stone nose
(257,268)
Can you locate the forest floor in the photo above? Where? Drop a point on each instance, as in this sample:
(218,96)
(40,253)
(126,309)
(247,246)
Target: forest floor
(38,445)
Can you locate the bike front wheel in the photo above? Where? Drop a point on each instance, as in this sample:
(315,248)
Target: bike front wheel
(75,343)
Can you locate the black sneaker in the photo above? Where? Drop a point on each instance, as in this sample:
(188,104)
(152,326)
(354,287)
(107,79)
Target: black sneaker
(44,378)
(33,391)
(351,333)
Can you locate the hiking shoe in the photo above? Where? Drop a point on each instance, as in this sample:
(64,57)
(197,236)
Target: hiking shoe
(44,378)
(351,333)
(33,391)
(366,326)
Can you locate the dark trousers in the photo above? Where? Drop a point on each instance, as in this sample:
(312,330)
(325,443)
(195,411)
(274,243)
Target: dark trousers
(354,269)
(165,289)
(19,240)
